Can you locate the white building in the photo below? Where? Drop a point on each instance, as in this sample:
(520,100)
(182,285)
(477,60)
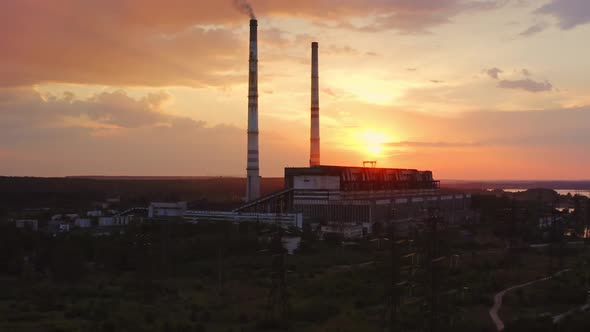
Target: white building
(83,223)
(106,221)
(159,210)
(347,230)
(284,219)
(27,224)
(96,213)
(122,220)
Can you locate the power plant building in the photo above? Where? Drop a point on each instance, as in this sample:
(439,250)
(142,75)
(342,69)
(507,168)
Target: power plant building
(337,196)
(366,196)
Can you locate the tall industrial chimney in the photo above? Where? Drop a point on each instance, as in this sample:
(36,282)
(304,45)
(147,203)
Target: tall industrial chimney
(314,153)
(253,171)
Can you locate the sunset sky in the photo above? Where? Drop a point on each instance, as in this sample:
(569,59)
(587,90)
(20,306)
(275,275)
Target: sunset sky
(495,89)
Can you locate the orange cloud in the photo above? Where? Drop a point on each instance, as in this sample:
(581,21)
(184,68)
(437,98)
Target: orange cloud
(174,42)
(114,133)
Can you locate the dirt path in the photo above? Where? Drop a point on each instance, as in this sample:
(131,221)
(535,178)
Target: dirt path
(558,318)
(498,299)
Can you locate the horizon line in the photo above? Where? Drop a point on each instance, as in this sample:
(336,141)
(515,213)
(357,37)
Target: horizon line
(269,177)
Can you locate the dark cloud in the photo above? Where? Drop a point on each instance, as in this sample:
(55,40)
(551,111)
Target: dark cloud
(341,50)
(436,81)
(329,92)
(58,50)
(117,108)
(174,42)
(114,134)
(569,13)
(418,144)
(534,29)
(526,85)
(411,69)
(494,72)
(417,17)
(102,110)
(61,135)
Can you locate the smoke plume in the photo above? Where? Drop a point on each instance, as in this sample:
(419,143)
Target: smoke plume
(245,7)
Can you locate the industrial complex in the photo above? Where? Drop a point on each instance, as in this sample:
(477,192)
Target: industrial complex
(352,201)
(347,200)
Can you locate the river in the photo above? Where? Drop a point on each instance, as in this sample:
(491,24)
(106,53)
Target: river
(559,191)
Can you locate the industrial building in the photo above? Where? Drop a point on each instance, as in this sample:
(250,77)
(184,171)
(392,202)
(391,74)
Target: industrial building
(33,225)
(163,210)
(83,223)
(285,219)
(347,197)
(348,200)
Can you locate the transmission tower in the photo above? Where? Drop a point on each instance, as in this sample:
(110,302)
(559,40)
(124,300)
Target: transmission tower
(220,263)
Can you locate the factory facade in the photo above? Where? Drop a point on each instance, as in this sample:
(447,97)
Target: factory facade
(346,198)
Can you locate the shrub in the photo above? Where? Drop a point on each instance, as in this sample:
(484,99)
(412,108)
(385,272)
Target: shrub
(316,310)
(205,317)
(199,328)
(243,318)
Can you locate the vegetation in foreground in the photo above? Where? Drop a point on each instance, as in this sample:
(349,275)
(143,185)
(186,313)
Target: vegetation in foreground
(217,277)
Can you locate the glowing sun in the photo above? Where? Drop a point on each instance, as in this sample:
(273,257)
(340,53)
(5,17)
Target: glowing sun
(373,142)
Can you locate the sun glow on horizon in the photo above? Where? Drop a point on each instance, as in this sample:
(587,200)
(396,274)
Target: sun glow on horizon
(373,143)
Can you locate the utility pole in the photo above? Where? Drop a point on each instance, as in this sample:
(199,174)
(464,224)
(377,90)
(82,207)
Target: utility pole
(392,303)
(220,291)
(277,306)
(164,246)
(433,296)
(434,273)
(222,249)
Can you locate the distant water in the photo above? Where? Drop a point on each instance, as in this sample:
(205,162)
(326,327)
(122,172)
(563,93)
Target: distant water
(560,191)
(574,192)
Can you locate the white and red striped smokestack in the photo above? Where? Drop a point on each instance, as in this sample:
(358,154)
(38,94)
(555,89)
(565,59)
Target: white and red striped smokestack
(314,153)
(253,170)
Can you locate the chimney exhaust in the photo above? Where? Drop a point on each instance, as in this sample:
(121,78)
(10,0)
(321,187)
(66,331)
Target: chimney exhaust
(253,170)
(314,153)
